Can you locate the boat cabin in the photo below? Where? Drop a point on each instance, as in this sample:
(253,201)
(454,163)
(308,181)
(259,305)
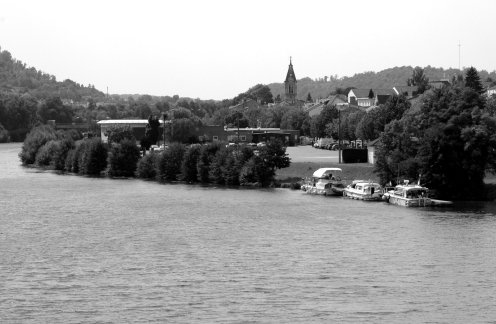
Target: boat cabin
(333,174)
(411,192)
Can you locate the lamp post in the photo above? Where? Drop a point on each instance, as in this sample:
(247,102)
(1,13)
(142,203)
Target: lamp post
(164,115)
(339,108)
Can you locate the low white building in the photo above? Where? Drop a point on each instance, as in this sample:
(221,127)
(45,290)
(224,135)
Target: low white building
(137,125)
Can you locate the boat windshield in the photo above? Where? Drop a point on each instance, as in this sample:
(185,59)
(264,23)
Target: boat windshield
(416,193)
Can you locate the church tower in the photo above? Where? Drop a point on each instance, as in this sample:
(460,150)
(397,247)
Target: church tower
(290,85)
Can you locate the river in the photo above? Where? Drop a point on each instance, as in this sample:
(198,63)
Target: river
(88,250)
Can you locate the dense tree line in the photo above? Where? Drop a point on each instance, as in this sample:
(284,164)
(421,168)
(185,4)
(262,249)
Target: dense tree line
(211,163)
(215,163)
(449,143)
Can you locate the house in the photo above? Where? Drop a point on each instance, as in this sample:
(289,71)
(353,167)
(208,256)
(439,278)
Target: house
(407,91)
(361,97)
(382,95)
(491,91)
(439,84)
(364,98)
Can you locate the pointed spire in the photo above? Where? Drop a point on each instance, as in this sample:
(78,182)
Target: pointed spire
(290,75)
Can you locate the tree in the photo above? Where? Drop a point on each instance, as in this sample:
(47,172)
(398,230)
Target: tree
(189,170)
(309,98)
(319,123)
(115,134)
(419,79)
(92,159)
(294,118)
(472,80)
(170,161)
(53,109)
(207,153)
(450,142)
(35,139)
(236,118)
(123,158)
(152,129)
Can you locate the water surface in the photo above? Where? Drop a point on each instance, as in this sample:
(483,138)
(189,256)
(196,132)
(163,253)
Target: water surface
(87,250)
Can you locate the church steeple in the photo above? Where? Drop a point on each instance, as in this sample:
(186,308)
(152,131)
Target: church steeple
(290,84)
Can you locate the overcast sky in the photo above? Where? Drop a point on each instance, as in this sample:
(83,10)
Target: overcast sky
(216,49)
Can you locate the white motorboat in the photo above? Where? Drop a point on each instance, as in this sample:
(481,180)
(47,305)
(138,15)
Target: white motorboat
(325,181)
(408,195)
(363,190)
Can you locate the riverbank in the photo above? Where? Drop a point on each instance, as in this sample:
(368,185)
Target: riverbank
(298,170)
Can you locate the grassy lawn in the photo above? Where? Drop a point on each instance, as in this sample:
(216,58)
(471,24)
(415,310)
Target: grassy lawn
(306,159)
(299,170)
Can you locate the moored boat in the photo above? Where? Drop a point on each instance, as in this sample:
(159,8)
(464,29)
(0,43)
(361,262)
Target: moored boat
(325,181)
(408,195)
(363,190)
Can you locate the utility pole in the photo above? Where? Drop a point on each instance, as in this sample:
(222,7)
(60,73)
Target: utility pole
(164,115)
(339,135)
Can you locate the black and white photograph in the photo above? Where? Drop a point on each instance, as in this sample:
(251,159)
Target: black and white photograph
(259,161)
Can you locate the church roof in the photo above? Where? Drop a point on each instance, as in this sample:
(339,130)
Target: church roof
(291,75)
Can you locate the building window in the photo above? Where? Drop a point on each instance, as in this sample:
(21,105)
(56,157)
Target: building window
(215,138)
(243,138)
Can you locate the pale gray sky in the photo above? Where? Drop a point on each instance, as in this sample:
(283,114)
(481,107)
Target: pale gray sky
(216,49)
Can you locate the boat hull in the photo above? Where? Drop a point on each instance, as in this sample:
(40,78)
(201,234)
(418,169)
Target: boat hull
(406,202)
(362,196)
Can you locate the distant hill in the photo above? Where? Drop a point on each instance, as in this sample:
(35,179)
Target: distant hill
(383,79)
(16,77)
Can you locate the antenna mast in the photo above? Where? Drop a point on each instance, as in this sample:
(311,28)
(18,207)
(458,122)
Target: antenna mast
(459,47)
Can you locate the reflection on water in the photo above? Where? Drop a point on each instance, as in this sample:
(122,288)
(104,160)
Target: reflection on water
(77,249)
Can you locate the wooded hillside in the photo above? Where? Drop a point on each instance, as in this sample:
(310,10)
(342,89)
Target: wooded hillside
(17,78)
(384,79)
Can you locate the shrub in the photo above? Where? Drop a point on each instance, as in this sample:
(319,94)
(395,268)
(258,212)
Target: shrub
(69,160)
(59,157)
(147,166)
(170,161)
(46,152)
(207,153)
(92,159)
(248,174)
(36,138)
(77,156)
(230,170)
(256,170)
(189,170)
(123,158)
(216,166)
